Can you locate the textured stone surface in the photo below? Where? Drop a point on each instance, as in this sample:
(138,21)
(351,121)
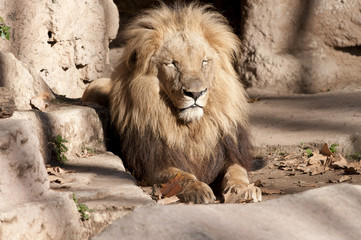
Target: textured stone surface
(7,104)
(302,46)
(15,76)
(100,182)
(325,213)
(79,125)
(53,217)
(20,161)
(28,209)
(65,42)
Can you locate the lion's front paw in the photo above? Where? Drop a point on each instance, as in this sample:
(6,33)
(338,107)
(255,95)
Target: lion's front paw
(196,192)
(242,194)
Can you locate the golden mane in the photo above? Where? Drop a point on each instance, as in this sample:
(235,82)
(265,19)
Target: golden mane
(140,113)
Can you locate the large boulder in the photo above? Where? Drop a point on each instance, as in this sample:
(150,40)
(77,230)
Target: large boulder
(15,76)
(80,126)
(28,209)
(301,46)
(326,213)
(65,42)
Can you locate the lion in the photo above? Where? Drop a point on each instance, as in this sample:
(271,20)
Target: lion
(178,105)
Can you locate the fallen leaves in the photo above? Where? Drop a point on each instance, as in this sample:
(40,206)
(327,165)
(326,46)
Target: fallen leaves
(270,191)
(58,177)
(344,179)
(325,150)
(170,200)
(172,187)
(317,163)
(166,193)
(252,100)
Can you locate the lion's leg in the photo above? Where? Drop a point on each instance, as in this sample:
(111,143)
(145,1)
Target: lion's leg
(193,190)
(236,187)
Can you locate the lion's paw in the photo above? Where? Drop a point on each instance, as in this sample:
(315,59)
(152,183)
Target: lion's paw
(242,194)
(196,192)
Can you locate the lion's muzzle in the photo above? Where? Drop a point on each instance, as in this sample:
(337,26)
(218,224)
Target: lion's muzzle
(194,95)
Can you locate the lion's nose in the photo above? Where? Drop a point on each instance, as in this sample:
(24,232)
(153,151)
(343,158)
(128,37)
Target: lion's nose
(194,95)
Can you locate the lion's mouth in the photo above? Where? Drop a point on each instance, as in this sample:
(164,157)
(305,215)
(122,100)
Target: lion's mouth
(192,106)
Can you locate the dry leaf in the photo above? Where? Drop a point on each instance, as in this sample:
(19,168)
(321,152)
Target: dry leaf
(168,200)
(317,159)
(289,163)
(269,191)
(172,187)
(305,184)
(325,150)
(317,170)
(258,183)
(339,162)
(57,171)
(41,102)
(344,179)
(292,156)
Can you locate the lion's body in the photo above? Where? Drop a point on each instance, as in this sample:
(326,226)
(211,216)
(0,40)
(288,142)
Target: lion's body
(177,102)
(152,136)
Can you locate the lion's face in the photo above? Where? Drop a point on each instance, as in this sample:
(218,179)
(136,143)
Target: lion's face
(185,64)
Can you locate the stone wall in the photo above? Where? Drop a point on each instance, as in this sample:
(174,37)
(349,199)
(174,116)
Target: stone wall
(288,45)
(64,41)
(301,46)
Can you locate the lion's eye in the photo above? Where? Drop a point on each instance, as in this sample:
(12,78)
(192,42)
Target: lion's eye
(204,63)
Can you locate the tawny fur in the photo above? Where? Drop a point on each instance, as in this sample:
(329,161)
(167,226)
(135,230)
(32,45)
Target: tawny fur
(98,91)
(152,136)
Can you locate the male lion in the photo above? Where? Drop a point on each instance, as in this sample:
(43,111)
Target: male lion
(178,105)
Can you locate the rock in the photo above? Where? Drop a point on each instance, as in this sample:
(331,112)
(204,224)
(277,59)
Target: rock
(108,185)
(15,76)
(293,46)
(20,161)
(28,209)
(70,46)
(7,104)
(101,183)
(324,213)
(79,125)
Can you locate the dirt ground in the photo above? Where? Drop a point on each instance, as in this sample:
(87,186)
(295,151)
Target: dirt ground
(288,173)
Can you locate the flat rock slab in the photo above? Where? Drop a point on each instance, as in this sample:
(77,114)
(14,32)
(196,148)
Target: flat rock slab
(325,213)
(101,183)
(79,125)
(286,122)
